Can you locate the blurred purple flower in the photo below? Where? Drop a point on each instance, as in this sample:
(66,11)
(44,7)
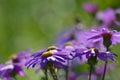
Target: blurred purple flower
(108,17)
(14,66)
(85,43)
(100,69)
(69,48)
(90,7)
(21,58)
(84,76)
(72,76)
(67,35)
(9,71)
(105,35)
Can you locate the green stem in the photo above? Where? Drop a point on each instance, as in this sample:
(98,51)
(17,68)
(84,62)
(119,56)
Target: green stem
(90,72)
(105,67)
(15,77)
(46,76)
(53,72)
(68,69)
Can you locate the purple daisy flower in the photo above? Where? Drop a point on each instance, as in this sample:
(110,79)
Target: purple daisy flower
(93,52)
(108,17)
(90,7)
(101,55)
(107,37)
(50,55)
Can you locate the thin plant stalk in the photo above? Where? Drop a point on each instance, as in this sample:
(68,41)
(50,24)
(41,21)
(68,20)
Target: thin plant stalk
(46,75)
(105,67)
(53,72)
(68,69)
(90,72)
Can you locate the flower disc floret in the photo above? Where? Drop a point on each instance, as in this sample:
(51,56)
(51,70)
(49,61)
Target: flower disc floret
(51,48)
(94,50)
(47,54)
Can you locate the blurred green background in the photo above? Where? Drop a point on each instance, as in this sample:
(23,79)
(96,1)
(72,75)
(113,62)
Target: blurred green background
(36,23)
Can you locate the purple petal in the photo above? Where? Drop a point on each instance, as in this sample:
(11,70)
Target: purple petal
(105,55)
(58,58)
(102,56)
(44,62)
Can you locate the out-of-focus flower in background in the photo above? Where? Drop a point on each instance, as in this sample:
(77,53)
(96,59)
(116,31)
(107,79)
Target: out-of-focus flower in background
(90,7)
(108,17)
(15,65)
(105,35)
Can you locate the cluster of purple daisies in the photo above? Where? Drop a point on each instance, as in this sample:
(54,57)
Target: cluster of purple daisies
(74,47)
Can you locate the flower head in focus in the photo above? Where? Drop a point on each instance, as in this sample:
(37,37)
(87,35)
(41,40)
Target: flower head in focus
(43,58)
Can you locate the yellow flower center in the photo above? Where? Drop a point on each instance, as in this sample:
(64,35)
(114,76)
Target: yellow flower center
(47,54)
(51,48)
(68,44)
(12,56)
(95,50)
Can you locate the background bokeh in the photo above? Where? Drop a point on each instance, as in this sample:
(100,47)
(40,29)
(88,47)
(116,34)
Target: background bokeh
(36,23)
